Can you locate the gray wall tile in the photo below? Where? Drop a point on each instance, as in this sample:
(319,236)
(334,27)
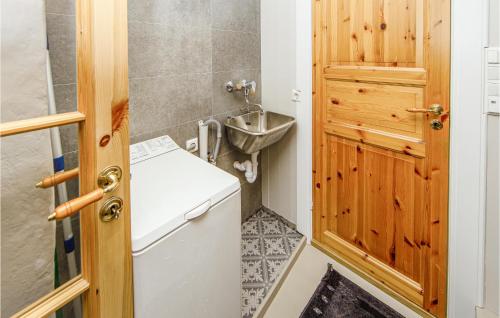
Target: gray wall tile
(69,137)
(161,102)
(179,133)
(195,13)
(251,199)
(235,51)
(223,101)
(158,49)
(66,7)
(240,15)
(65,96)
(62,46)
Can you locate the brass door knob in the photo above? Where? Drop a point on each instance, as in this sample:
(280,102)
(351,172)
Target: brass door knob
(435,109)
(108,181)
(109,178)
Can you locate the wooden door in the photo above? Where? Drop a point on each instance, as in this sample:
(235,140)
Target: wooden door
(105,283)
(381,74)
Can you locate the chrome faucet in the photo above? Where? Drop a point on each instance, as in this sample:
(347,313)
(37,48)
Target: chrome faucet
(247,87)
(259,106)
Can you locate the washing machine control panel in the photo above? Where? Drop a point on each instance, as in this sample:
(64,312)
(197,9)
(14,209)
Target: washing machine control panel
(151,148)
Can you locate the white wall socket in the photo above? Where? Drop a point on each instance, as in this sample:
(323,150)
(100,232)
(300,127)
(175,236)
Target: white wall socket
(192,145)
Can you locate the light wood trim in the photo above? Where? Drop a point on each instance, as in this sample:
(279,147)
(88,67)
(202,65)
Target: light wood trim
(377,74)
(403,144)
(437,61)
(55,300)
(57,178)
(27,125)
(102,59)
(386,274)
(369,278)
(70,208)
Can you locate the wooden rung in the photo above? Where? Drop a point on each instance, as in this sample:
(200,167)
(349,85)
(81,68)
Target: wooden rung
(56,299)
(57,178)
(27,125)
(71,207)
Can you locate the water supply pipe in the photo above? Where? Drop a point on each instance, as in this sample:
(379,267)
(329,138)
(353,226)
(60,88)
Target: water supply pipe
(249,167)
(62,192)
(203,135)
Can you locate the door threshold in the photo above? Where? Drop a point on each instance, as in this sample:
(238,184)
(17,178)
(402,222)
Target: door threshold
(261,311)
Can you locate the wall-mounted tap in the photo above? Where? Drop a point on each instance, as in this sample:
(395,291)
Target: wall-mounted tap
(248,88)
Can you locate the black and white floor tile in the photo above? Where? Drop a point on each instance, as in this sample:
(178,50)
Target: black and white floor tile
(266,245)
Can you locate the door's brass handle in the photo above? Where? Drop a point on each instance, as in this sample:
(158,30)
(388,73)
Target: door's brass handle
(57,178)
(435,109)
(73,206)
(108,181)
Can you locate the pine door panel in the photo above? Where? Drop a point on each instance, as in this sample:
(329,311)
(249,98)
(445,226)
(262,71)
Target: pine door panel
(380,107)
(374,32)
(373,205)
(380,170)
(377,114)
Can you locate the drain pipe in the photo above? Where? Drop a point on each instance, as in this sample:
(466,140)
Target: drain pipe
(203,131)
(249,167)
(55,138)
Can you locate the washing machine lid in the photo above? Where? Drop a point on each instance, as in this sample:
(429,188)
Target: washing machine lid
(169,187)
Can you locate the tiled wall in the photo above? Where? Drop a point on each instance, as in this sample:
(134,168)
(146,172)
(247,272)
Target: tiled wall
(180,55)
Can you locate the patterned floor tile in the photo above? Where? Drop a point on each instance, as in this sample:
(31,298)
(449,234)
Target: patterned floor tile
(267,244)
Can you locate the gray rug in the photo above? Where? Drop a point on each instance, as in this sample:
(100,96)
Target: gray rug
(338,297)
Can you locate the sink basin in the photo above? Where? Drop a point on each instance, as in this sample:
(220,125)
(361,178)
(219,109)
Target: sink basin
(254,131)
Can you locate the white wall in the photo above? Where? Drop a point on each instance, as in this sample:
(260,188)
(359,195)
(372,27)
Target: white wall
(466,201)
(492,218)
(27,239)
(286,65)
(492,239)
(278,49)
(494,23)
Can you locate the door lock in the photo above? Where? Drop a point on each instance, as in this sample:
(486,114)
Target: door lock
(436,124)
(111,209)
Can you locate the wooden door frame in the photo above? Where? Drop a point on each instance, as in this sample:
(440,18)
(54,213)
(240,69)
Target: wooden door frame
(105,282)
(463,196)
(102,60)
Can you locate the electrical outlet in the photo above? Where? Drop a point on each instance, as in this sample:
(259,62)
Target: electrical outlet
(192,145)
(296,95)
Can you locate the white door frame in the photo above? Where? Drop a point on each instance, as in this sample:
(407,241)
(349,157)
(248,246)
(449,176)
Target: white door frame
(467,153)
(466,216)
(303,31)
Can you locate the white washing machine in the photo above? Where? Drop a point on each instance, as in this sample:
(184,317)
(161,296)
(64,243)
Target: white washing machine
(186,232)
